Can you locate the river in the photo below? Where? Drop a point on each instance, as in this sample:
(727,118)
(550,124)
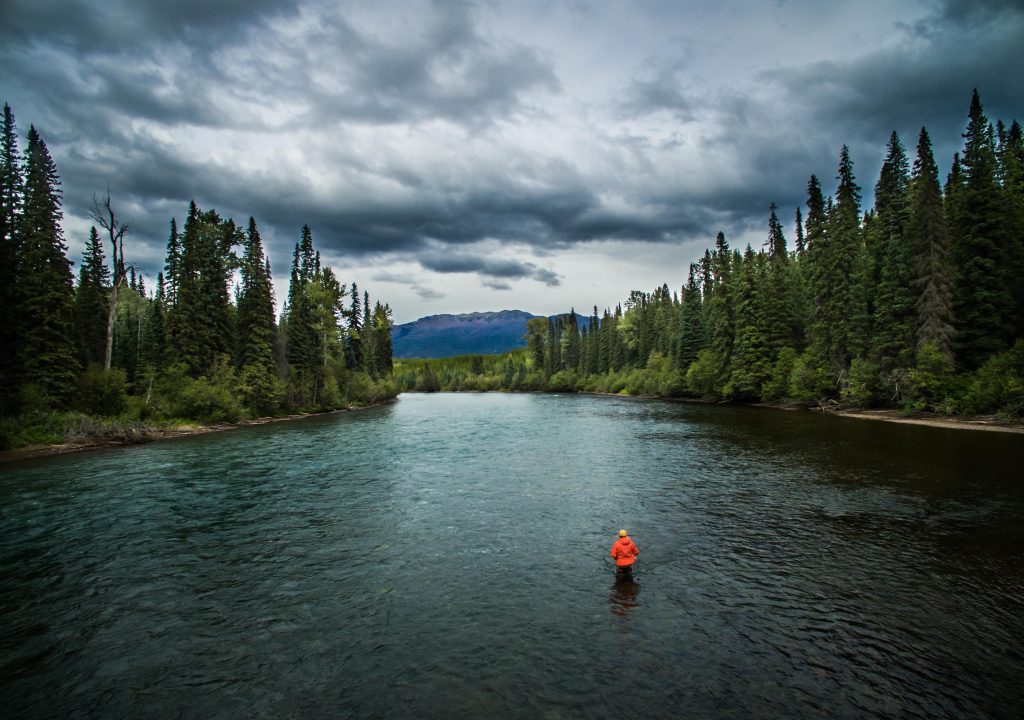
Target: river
(447,557)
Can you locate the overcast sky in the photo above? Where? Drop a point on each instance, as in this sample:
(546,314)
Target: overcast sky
(465,156)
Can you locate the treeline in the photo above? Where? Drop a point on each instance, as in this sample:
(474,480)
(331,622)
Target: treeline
(917,303)
(202,344)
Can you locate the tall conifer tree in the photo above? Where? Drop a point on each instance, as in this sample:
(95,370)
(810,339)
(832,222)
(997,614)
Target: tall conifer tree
(1011,170)
(928,236)
(255,305)
(11,188)
(46,299)
(983,302)
(893,303)
(92,301)
(839,266)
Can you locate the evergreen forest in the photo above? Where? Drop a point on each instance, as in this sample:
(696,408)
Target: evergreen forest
(102,354)
(916,303)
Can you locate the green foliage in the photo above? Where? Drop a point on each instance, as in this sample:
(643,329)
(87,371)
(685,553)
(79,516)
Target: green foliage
(863,310)
(982,293)
(776,385)
(206,400)
(998,385)
(260,389)
(704,376)
(931,377)
(810,380)
(102,392)
(46,339)
(862,386)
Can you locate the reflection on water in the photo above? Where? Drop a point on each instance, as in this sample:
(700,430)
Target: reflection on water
(625,591)
(447,557)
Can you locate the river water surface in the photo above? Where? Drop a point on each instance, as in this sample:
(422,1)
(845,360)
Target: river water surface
(447,557)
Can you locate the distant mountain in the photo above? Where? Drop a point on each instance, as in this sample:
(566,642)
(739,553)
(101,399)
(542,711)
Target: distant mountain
(480,333)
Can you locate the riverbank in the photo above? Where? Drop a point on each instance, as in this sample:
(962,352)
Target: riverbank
(143,435)
(988,423)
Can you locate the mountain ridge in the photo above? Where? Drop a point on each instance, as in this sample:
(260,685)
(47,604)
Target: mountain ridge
(475,333)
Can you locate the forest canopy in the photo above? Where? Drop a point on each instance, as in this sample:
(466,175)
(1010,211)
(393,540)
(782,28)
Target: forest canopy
(202,343)
(915,303)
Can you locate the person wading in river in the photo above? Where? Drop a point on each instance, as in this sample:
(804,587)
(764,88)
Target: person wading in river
(625,553)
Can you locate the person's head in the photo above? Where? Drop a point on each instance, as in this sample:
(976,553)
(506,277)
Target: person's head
(622,533)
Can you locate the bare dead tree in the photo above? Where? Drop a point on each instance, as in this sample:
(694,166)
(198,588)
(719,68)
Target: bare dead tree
(104,215)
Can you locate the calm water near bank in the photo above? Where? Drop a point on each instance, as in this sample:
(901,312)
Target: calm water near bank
(447,556)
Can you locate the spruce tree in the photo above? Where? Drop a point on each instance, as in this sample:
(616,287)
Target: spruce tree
(354,350)
(380,327)
(46,340)
(570,342)
(752,353)
(1011,171)
(928,237)
(692,335)
(201,318)
(172,267)
(816,242)
(839,302)
(367,337)
(92,301)
(893,303)
(983,302)
(255,305)
(800,246)
(11,189)
(300,340)
(154,336)
(721,305)
(782,324)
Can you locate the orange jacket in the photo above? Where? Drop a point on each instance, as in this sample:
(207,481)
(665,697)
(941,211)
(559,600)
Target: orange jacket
(624,552)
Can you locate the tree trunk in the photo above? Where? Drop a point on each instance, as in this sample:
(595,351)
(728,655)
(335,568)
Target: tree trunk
(110,327)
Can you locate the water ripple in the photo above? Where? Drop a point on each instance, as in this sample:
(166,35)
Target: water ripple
(447,557)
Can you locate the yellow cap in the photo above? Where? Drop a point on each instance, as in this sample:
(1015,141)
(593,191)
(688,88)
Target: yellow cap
(622,533)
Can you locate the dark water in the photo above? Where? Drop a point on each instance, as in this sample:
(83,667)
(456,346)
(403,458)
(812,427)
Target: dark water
(447,557)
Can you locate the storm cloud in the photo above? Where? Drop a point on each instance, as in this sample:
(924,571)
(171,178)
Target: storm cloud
(451,150)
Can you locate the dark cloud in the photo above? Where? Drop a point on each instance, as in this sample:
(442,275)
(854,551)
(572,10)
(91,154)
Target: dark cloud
(151,98)
(488,267)
(422,291)
(662,87)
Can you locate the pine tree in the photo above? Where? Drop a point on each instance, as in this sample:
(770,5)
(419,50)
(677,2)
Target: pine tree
(892,305)
(928,236)
(781,324)
(255,305)
(839,302)
(816,241)
(800,246)
(752,353)
(1011,171)
(172,268)
(354,350)
(983,302)
(300,340)
(692,335)
(592,345)
(721,305)
(380,327)
(201,317)
(535,330)
(11,189)
(92,301)
(154,337)
(46,338)
(367,337)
